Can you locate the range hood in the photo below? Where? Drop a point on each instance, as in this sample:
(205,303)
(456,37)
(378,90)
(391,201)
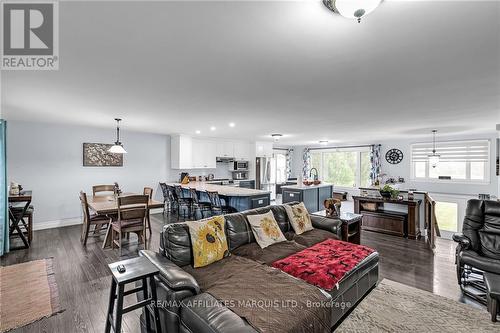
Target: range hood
(224,159)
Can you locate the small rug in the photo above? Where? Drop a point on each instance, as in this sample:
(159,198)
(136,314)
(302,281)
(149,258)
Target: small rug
(394,307)
(324,264)
(28,292)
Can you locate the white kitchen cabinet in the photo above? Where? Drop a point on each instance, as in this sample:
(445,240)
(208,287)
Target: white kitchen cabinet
(225,149)
(181,152)
(263,149)
(203,154)
(241,151)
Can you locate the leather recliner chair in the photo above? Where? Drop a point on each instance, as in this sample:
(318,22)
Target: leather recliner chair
(478,247)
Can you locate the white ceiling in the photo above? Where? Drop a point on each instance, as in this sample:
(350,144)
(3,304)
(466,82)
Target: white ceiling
(290,67)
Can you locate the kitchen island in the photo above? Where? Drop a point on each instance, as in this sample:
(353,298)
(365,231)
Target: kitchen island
(237,198)
(313,196)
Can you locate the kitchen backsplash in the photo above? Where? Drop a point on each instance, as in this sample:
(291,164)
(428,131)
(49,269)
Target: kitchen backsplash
(221,172)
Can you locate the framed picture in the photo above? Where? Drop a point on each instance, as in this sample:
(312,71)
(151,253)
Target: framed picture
(97,155)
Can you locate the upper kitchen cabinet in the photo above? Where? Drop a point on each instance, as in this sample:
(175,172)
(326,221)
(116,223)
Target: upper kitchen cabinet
(241,151)
(203,154)
(263,149)
(181,152)
(225,149)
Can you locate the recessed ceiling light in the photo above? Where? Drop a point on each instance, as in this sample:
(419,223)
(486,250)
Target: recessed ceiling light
(231,125)
(276,136)
(323,142)
(198,132)
(213,128)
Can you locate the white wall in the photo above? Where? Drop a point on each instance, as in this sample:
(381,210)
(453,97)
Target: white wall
(47,158)
(403,169)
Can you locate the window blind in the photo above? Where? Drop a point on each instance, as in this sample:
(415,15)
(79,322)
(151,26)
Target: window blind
(453,151)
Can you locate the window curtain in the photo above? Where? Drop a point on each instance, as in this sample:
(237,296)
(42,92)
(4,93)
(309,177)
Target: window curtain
(4,219)
(306,157)
(376,162)
(289,154)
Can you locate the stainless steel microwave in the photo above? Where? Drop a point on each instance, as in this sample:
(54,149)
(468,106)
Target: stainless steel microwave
(240,165)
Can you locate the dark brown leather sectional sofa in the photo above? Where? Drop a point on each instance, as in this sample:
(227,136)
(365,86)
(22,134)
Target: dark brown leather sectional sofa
(184,298)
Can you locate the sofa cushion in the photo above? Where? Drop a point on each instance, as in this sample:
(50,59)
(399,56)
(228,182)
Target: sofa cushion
(204,313)
(271,253)
(238,231)
(208,240)
(265,229)
(299,218)
(175,244)
(309,238)
(472,258)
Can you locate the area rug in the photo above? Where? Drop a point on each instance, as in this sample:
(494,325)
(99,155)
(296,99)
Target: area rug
(394,307)
(28,292)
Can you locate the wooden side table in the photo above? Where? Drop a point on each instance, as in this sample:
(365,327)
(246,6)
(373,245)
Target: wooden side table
(135,269)
(351,225)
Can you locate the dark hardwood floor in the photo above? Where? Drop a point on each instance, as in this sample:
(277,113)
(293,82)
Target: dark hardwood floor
(84,280)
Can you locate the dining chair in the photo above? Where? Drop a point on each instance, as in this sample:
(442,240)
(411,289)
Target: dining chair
(102,188)
(149,192)
(98,221)
(198,205)
(182,202)
(132,217)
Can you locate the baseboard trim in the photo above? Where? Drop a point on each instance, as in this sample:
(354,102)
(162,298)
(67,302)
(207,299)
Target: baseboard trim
(72,221)
(57,223)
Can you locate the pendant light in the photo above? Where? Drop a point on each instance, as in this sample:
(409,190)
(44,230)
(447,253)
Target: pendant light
(434,158)
(276,137)
(117,148)
(352,9)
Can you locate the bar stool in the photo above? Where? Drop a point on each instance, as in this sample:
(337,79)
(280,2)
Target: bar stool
(135,269)
(198,205)
(182,202)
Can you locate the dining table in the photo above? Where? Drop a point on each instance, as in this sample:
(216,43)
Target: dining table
(108,205)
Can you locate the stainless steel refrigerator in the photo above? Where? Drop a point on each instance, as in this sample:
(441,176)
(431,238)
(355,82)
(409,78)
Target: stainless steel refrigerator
(265,175)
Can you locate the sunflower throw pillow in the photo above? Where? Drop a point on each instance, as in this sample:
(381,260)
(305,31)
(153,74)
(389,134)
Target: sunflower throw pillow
(265,229)
(299,218)
(208,240)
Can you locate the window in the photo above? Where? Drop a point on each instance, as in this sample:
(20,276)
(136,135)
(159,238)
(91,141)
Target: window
(460,161)
(280,168)
(343,167)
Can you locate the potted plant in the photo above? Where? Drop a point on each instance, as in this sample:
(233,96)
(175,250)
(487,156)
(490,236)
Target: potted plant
(388,191)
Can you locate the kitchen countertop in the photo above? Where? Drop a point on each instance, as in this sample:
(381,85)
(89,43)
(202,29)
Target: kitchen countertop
(305,187)
(230,191)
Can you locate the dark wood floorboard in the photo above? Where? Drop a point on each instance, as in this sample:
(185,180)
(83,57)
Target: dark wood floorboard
(84,280)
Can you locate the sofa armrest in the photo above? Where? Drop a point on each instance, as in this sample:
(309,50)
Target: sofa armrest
(463,241)
(328,224)
(172,275)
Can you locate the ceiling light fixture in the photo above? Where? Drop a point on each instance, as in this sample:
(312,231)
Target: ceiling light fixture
(231,125)
(213,128)
(352,9)
(276,137)
(197,131)
(323,142)
(434,158)
(117,148)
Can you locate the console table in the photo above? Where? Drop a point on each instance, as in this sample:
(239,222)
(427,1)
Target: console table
(376,216)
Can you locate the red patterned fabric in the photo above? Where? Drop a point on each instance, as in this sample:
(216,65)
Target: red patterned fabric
(325,263)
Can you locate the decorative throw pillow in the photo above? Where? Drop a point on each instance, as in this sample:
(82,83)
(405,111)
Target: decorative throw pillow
(265,229)
(208,240)
(299,218)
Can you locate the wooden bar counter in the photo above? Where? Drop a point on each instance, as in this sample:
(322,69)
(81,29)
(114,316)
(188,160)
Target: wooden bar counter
(376,217)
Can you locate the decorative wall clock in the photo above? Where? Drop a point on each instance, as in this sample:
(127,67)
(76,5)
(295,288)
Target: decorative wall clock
(394,156)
